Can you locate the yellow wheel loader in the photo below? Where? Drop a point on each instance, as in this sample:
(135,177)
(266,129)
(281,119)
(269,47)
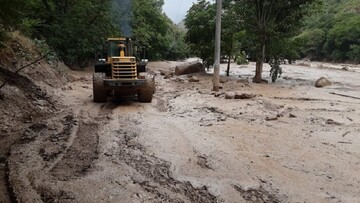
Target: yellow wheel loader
(121,75)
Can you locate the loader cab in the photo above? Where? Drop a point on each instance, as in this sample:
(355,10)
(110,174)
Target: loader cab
(119,47)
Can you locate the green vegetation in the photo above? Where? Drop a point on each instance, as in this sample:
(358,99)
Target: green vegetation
(266,30)
(276,70)
(276,30)
(77,30)
(200,22)
(332,32)
(259,26)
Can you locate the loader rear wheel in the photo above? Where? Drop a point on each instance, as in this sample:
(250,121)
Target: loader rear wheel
(99,90)
(145,94)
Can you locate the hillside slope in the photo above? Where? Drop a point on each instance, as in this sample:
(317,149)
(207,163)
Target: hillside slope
(27,95)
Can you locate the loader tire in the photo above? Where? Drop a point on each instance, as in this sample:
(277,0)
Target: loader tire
(145,94)
(99,90)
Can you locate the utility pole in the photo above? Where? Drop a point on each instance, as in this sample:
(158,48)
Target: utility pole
(217,46)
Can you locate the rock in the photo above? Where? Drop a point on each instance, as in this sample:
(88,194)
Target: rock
(292,115)
(322,82)
(229,95)
(218,94)
(40,102)
(223,80)
(345,68)
(67,88)
(162,72)
(2,96)
(178,80)
(168,76)
(307,64)
(271,119)
(263,81)
(188,68)
(84,79)
(71,78)
(243,81)
(194,79)
(221,119)
(244,96)
(332,122)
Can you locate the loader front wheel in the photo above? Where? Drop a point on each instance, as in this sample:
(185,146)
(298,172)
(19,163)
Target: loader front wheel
(99,90)
(145,94)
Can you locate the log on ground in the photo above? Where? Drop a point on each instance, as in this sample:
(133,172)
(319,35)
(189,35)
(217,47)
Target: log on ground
(188,68)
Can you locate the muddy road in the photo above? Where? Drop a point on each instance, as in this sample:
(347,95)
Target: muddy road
(292,142)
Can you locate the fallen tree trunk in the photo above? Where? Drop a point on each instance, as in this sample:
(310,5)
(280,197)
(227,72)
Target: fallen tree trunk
(190,67)
(344,95)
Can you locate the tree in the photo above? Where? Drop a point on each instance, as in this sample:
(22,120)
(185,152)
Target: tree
(268,22)
(200,22)
(77,29)
(10,17)
(332,31)
(151,28)
(177,48)
(11,13)
(74,29)
(231,31)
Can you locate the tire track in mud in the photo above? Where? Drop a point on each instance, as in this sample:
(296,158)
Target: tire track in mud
(156,177)
(59,149)
(256,195)
(80,155)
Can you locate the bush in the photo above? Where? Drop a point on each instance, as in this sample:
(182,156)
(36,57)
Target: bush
(241,59)
(3,36)
(45,49)
(276,70)
(28,26)
(354,53)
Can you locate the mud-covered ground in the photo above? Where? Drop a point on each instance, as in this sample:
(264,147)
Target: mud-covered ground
(292,142)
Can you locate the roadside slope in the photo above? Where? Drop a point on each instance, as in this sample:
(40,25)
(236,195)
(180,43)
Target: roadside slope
(27,96)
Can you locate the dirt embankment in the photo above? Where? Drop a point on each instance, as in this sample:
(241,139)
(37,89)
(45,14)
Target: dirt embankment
(27,96)
(286,142)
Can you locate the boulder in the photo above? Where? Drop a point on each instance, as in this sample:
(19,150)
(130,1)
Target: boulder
(244,96)
(188,68)
(244,81)
(229,95)
(162,72)
(332,122)
(218,94)
(168,76)
(194,79)
(322,82)
(223,80)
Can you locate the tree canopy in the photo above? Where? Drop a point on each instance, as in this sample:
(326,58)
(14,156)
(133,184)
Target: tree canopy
(200,22)
(77,29)
(265,29)
(332,32)
(261,25)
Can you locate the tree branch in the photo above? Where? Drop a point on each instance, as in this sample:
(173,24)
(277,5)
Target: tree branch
(18,70)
